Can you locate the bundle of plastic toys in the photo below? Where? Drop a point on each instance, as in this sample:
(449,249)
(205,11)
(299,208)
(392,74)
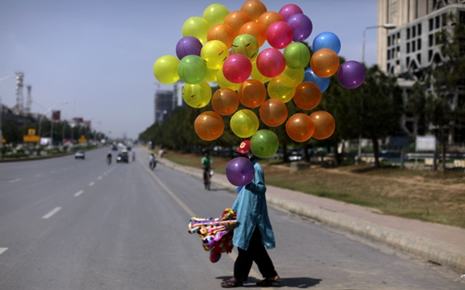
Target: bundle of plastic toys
(216,234)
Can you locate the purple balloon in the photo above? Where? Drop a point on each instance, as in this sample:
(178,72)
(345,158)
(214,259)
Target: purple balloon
(240,171)
(351,74)
(289,10)
(188,46)
(301,26)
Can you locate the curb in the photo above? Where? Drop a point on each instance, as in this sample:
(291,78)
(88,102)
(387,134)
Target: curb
(422,247)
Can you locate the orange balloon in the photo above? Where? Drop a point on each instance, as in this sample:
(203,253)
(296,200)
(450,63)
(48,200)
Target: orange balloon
(221,32)
(300,127)
(267,18)
(252,93)
(209,126)
(254,29)
(254,8)
(273,112)
(307,95)
(225,101)
(324,124)
(235,20)
(324,62)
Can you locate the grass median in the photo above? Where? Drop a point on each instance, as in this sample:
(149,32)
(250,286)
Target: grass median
(426,195)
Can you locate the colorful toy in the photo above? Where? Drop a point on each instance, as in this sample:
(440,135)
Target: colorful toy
(216,233)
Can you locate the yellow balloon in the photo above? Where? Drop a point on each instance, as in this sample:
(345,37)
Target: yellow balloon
(296,74)
(224,83)
(165,69)
(215,14)
(214,53)
(257,75)
(198,95)
(211,75)
(244,123)
(197,27)
(282,88)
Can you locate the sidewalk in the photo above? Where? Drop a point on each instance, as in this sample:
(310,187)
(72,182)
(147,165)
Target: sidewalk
(433,242)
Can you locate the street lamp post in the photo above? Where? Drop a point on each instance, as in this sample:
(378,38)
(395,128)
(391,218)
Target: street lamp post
(387,26)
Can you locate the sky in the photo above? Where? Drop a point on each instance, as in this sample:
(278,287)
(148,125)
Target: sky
(97,56)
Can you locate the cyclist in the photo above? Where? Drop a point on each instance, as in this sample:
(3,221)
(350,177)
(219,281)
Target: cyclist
(109,158)
(206,164)
(152,161)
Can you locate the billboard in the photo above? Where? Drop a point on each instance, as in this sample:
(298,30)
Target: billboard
(425,143)
(56,115)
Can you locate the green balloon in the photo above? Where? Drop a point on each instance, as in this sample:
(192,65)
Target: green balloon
(297,55)
(192,69)
(247,45)
(264,143)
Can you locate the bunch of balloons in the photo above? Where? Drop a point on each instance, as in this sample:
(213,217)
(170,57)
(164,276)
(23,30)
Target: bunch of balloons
(224,47)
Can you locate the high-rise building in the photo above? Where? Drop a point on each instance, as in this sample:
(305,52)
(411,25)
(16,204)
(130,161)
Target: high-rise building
(163,105)
(411,50)
(411,47)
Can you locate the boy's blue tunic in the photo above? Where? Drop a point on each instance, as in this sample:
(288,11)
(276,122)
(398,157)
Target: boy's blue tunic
(252,212)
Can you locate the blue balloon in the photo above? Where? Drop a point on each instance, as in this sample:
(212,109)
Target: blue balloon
(322,83)
(327,40)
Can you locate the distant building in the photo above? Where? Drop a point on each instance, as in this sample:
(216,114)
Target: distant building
(163,104)
(410,50)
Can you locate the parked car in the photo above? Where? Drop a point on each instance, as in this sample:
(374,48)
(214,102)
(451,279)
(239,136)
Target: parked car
(122,157)
(79,155)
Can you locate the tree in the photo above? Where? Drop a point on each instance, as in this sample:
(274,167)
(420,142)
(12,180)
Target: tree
(12,133)
(381,107)
(446,105)
(416,102)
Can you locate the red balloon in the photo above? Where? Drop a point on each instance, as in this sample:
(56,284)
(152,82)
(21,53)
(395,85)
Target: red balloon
(237,68)
(279,34)
(271,62)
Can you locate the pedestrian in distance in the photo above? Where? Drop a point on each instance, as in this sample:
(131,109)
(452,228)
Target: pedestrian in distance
(253,234)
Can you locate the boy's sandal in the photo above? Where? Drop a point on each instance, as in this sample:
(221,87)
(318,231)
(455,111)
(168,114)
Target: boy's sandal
(231,283)
(268,283)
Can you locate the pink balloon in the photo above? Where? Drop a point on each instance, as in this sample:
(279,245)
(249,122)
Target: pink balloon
(279,34)
(237,68)
(288,10)
(271,62)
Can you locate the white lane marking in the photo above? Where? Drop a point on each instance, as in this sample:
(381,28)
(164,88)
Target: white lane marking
(104,174)
(78,193)
(15,180)
(37,175)
(100,177)
(92,183)
(2,250)
(52,212)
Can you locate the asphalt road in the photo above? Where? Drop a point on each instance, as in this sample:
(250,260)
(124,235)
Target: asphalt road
(84,224)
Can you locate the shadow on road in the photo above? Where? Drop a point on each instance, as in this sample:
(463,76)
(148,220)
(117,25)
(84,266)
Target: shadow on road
(294,282)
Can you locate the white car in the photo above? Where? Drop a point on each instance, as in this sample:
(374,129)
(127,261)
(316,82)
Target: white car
(79,155)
